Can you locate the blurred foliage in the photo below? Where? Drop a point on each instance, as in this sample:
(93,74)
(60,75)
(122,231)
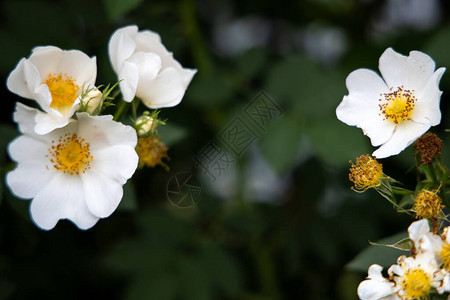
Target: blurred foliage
(291,242)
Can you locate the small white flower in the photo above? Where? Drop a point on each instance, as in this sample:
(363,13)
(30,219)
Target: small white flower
(411,278)
(415,276)
(146,69)
(93,101)
(398,108)
(75,172)
(54,78)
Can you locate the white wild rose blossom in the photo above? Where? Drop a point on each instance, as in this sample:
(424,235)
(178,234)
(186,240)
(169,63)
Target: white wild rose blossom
(416,276)
(146,69)
(397,108)
(55,79)
(75,172)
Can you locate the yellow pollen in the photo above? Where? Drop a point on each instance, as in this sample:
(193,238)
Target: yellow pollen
(416,284)
(445,255)
(64,91)
(365,173)
(397,105)
(70,155)
(427,205)
(151,151)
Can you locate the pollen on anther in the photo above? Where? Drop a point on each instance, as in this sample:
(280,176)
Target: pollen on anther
(397,105)
(70,155)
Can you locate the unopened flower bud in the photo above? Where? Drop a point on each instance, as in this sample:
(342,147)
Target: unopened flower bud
(93,102)
(145,125)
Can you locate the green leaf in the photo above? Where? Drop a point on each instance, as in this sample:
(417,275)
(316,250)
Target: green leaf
(312,91)
(335,142)
(222,269)
(153,286)
(118,8)
(280,145)
(406,244)
(129,202)
(172,134)
(210,91)
(384,256)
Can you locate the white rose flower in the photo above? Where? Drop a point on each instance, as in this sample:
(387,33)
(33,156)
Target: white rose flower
(54,78)
(75,172)
(411,278)
(416,276)
(146,69)
(397,108)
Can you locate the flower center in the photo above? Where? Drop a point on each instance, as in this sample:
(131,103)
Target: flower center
(416,284)
(70,155)
(427,205)
(64,91)
(397,105)
(445,255)
(365,173)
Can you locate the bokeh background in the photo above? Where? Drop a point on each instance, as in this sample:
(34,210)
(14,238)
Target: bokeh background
(279,221)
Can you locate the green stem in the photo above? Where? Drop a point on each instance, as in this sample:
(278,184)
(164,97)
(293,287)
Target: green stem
(432,174)
(134,106)
(187,11)
(121,110)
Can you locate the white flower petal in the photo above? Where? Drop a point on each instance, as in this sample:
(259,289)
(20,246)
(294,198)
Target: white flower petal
(19,149)
(102,132)
(16,82)
(378,130)
(411,72)
(166,90)
(31,173)
(121,46)
(129,79)
(404,135)
(150,41)
(25,117)
(79,66)
(365,87)
(426,109)
(27,180)
(46,123)
(62,198)
(418,229)
(376,287)
(148,65)
(102,193)
(46,59)
(117,162)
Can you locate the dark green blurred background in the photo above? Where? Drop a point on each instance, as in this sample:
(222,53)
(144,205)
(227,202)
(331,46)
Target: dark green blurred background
(281,221)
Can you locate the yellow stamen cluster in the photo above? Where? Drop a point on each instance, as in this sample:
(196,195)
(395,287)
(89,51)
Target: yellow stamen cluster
(397,105)
(151,151)
(365,173)
(445,255)
(427,205)
(64,91)
(70,154)
(415,283)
